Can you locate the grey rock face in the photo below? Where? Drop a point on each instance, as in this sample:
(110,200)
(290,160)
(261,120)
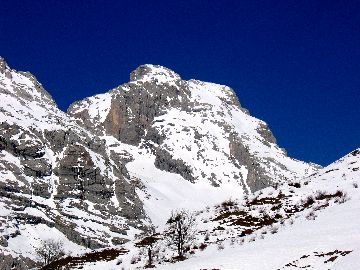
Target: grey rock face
(37,167)
(144,71)
(26,144)
(257,177)
(125,192)
(3,65)
(266,133)
(133,111)
(78,176)
(4,68)
(56,139)
(7,262)
(3,241)
(164,161)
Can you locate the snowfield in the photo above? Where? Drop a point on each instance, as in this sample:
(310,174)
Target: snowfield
(317,238)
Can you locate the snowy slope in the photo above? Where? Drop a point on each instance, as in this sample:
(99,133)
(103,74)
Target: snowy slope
(323,235)
(301,244)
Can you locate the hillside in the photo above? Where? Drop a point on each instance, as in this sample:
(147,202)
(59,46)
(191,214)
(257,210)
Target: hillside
(310,224)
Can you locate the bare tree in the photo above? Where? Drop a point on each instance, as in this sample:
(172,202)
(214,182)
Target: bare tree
(50,250)
(180,230)
(149,243)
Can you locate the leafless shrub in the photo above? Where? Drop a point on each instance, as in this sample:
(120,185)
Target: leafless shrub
(308,201)
(262,210)
(149,244)
(50,250)
(181,230)
(318,207)
(275,186)
(228,204)
(207,236)
(311,216)
(202,246)
(134,259)
(321,195)
(355,185)
(342,197)
(295,184)
(339,193)
(220,246)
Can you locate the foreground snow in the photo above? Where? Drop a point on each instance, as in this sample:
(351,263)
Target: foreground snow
(337,228)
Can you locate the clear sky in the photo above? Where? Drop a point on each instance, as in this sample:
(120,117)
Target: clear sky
(294,64)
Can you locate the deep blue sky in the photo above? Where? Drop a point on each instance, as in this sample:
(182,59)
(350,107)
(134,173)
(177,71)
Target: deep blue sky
(294,64)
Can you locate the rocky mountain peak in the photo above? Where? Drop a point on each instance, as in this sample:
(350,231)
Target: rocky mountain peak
(3,65)
(157,73)
(22,87)
(4,68)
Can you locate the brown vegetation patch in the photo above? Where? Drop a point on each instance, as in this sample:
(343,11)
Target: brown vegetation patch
(308,202)
(267,200)
(202,246)
(327,256)
(246,232)
(219,228)
(228,204)
(69,262)
(225,215)
(246,221)
(321,195)
(331,259)
(296,185)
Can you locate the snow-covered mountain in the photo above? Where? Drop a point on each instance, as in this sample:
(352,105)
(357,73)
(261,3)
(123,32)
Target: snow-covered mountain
(195,129)
(119,162)
(56,178)
(312,223)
